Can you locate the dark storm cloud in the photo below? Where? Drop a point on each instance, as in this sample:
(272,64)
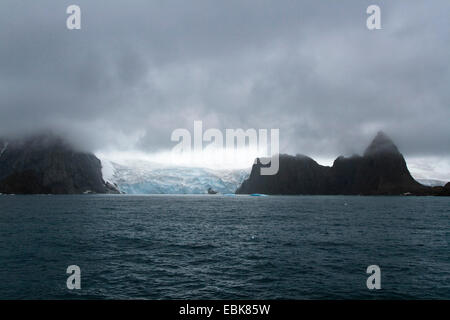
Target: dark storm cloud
(138,70)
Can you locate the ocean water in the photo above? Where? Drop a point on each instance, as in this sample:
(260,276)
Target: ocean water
(219,247)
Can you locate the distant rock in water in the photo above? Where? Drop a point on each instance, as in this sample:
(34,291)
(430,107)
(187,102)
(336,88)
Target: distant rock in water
(46,164)
(211,191)
(381,170)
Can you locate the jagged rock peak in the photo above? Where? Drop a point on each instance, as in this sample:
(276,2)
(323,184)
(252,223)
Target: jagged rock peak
(381,144)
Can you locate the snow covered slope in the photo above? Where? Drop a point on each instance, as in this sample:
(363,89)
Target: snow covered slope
(142,177)
(432,182)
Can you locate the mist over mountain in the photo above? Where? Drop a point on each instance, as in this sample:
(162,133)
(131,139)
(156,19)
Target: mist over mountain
(47,164)
(382,170)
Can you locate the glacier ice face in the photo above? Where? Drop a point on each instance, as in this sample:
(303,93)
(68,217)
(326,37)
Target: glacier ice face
(142,177)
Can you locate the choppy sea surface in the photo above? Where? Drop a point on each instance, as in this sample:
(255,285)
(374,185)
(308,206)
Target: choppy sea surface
(219,247)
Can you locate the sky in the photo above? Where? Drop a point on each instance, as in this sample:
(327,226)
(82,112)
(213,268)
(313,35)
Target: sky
(138,70)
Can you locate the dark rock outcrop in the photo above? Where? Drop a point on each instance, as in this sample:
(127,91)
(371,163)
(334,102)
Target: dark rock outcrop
(45,164)
(442,191)
(297,175)
(211,191)
(381,170)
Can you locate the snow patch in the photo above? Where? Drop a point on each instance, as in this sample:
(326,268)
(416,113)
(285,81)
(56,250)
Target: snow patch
(108,170)
(5,146)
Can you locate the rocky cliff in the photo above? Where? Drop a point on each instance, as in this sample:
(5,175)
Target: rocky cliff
(381,170)
(46,164)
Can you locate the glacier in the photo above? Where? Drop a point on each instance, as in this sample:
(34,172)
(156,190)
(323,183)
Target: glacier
(143,177)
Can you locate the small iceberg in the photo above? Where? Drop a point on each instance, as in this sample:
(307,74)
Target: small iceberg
(258,195)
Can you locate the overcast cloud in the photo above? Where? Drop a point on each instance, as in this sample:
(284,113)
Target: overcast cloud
(137,70)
